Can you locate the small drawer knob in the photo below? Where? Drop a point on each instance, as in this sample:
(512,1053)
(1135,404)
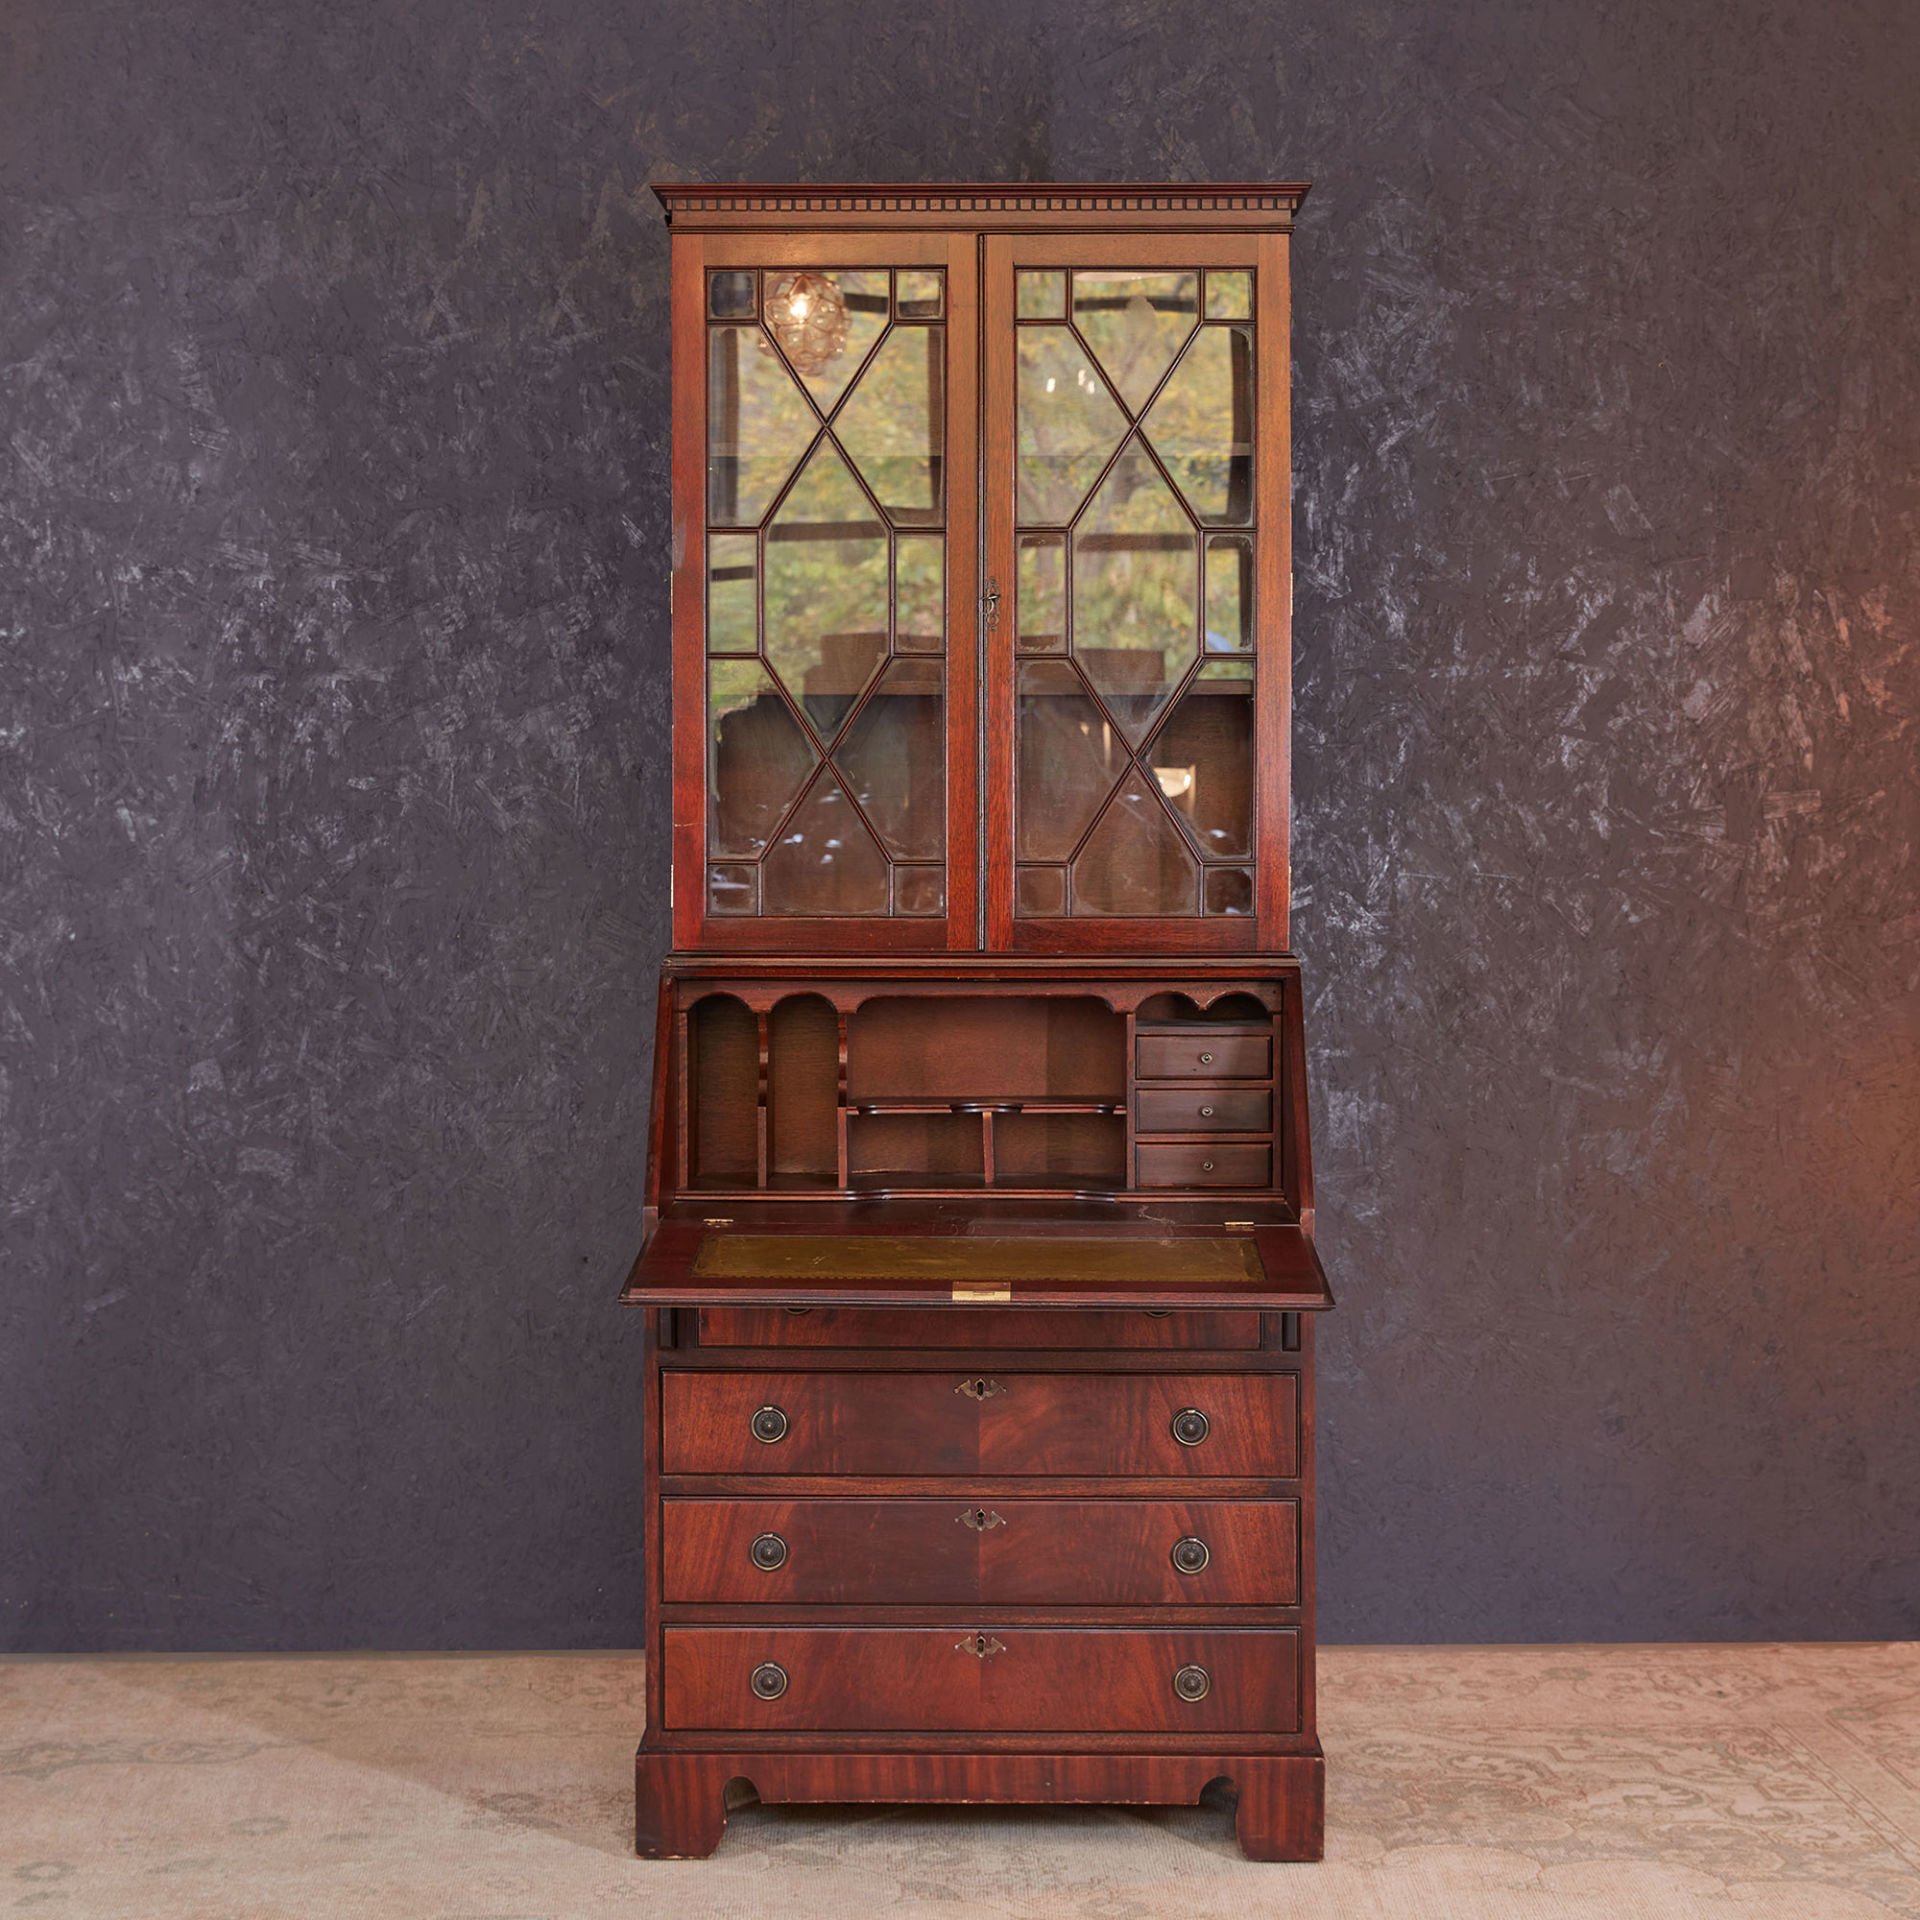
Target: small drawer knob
(1206,1166)
(1190,1555)
(1206,1059)
(1206,1113)
(769,1680)
(768,1552)
(1191,1426)
(1191,1683)
(769,1425)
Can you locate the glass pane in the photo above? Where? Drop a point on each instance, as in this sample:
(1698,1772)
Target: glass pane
(1068,760)
(826,591)
(1069,425)
(1202,425)
(1043,593)
(1135,862)
(1203,759)
(1229,890)
(894,760)
(920,593)
(893,427)
(733,593)
(1136,323)
(1041,293)
(825,324)
(917,293)
(730,296)
(1230,595)
(1136,587)
(732,889)
(758,426)
(825,861)
(1229,293)
(757,757)
(1040,893)
(919,890)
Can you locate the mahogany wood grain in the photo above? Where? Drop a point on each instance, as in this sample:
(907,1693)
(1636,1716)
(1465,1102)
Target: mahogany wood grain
(1031,1423)
(963,1550)
(973,1328)
(680,1798)
(1034,1679)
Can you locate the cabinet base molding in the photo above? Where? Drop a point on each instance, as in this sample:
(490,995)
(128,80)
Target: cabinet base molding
(680,1799)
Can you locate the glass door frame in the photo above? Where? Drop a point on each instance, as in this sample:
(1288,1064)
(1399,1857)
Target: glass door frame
(694,254)
(1265,929)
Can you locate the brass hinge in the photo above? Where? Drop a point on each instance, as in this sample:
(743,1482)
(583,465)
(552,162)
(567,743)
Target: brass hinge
(976,1294)
(1238,1226)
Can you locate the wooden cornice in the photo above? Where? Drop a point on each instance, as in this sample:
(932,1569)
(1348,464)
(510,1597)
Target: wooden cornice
(997,206)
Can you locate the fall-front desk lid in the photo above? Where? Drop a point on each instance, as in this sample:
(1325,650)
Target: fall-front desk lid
(902,1254)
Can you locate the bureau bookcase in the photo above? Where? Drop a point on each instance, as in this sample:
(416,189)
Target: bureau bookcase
(978,1270)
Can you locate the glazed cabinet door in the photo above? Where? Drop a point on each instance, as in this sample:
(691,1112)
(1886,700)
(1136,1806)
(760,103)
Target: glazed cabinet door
(825,498)
(1138,606)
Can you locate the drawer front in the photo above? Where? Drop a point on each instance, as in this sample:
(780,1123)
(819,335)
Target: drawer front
(1165,1164)
(991,1550)
(1203,1056)
(973,1328)
(1203,1110)
(982,1678)
(955,1423)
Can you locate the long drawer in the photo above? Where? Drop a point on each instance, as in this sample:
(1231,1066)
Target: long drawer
(974,1328)
(975,1423)
(983,1678)
(993,1551)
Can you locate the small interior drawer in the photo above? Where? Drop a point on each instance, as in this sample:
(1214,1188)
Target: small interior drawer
(1199,1164)
(1204,1053)
(1201,1109)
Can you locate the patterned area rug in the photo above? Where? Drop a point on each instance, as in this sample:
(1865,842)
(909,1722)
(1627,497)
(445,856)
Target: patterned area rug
(1564,1783)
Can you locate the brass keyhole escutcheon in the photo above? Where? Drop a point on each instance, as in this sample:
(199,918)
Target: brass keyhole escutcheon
(768,1552)
(983,1646)
(1192,1683)
(978,1389)
(1191,1426)
(981,1519)
(769,1424)
(769,1680)
(1190,1555)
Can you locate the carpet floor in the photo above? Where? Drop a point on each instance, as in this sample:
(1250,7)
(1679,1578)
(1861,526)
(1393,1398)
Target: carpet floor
(1542,1783)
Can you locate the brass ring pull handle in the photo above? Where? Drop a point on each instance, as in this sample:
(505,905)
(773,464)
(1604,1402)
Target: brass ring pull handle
(768,1552)
(980,1519)
(769,1424)
(1192,1683)
(1191,1426)
(769,1680)
(1190,1555)
(978,1389)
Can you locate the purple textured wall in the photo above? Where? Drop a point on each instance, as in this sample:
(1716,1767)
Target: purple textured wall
(333,777)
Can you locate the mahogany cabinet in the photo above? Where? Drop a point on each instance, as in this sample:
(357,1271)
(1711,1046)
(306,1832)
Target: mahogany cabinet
(978,1267)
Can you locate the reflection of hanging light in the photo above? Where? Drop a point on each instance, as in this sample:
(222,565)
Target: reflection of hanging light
(1175,782)
(807,314)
